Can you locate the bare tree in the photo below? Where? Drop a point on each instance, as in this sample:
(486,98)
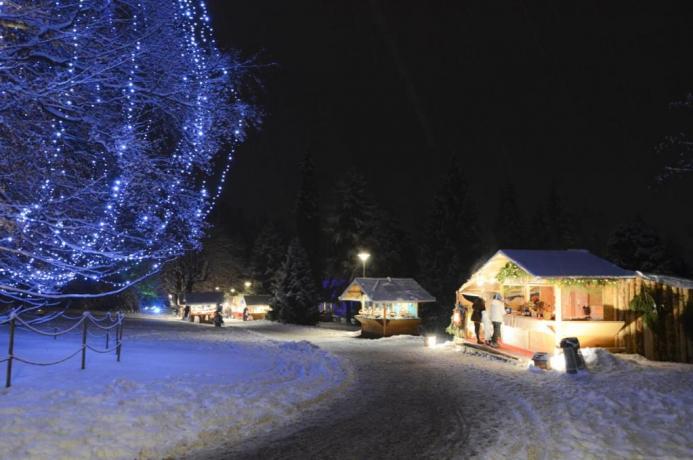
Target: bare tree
(113,114)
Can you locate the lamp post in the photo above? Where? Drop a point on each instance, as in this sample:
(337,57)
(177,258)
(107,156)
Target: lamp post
(364,256)
(247,285)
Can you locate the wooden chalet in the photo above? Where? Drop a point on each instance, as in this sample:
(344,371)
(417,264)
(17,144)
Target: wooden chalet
(258,306)
(389,306)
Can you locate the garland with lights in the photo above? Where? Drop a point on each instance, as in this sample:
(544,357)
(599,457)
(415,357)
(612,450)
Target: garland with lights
(113,116)
(511,271)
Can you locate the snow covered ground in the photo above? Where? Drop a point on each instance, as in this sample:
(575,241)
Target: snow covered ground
(265,390)
(410,401)
(179,386)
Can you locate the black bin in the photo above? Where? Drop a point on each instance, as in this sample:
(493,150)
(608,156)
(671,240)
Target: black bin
(573,356)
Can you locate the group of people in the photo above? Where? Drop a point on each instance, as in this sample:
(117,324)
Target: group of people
(491,318)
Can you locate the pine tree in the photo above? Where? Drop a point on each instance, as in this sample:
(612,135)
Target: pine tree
(266,257)
(638,246)
(451,246)
(352,225)
(308,215)
(560,223)
(295,297)
(510,230)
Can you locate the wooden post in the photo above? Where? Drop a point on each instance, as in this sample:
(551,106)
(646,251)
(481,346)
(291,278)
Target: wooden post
(559,313)
(55,331)
(119,338)
(10,352)
(107,332)
(84,341)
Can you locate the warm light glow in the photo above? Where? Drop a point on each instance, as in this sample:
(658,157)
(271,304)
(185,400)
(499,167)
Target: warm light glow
(431,341)
(233,290)
(364,256)
(216,288)
(247,284)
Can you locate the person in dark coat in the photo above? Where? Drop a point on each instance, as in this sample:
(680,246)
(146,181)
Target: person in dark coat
(218,319)
(246,314)
(186,312)
(477,307)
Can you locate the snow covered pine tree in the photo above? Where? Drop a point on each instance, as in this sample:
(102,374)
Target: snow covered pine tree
(112,117)
(295,297)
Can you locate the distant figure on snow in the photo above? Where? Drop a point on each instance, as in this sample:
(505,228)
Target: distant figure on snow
(218,319)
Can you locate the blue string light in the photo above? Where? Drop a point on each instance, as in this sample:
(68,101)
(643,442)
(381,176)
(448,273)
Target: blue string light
(112,126)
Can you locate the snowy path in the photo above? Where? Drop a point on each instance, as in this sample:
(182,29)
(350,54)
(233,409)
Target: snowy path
(408,401)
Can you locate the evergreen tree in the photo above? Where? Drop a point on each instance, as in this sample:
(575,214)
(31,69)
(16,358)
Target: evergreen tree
(308,215)
(509,229)
(560,223)
(538,237)
(450,247)
(638,246)
(295,297)
(352,225)
(266,257)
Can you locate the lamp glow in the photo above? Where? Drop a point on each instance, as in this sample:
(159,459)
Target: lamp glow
(364,256)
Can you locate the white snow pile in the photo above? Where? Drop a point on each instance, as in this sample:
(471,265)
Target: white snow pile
(623,406)
(178,387)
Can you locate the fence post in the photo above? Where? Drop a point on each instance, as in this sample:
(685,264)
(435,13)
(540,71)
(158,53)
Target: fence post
(119,336)
(84,340)
(10,352)
(55,331)
(107,332)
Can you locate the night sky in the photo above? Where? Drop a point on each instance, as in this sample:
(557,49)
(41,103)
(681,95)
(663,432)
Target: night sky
(575,93)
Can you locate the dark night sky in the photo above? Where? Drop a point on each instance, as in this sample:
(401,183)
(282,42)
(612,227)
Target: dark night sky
(577,93)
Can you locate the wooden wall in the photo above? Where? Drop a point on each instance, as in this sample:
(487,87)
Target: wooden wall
(671,343)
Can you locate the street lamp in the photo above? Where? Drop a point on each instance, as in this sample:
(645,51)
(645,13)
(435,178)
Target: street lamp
(364,256)
(247,285)
(233,290)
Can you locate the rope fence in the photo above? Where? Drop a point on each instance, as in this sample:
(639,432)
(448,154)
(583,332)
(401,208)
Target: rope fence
(106,326)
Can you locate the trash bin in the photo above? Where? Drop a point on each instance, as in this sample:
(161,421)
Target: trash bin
(573,356)
(541,360)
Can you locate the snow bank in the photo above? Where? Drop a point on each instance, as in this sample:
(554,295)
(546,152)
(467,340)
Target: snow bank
(621,407)
(178,387)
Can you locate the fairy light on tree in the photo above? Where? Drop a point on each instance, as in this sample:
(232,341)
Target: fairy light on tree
(112,117)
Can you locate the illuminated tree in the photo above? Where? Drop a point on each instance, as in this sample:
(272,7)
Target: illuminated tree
(112,117)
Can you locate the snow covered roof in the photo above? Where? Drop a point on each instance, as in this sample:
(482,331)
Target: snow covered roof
(257,299)
(386,290)
(572,263)
(204,298)
(672,281)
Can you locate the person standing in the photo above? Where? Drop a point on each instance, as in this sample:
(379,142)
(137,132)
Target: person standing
(477,307)
(497,314)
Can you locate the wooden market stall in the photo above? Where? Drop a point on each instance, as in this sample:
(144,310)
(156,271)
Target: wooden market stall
(258,306)
(389,306)
(549,295)
(203,305)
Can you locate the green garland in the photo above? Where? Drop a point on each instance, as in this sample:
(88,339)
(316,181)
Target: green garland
(581,282)
(511,271)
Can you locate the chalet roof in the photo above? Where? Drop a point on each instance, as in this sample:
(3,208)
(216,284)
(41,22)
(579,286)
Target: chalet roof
(672,281)
(386,290)
(204,298)
(572,263)
(257,299)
